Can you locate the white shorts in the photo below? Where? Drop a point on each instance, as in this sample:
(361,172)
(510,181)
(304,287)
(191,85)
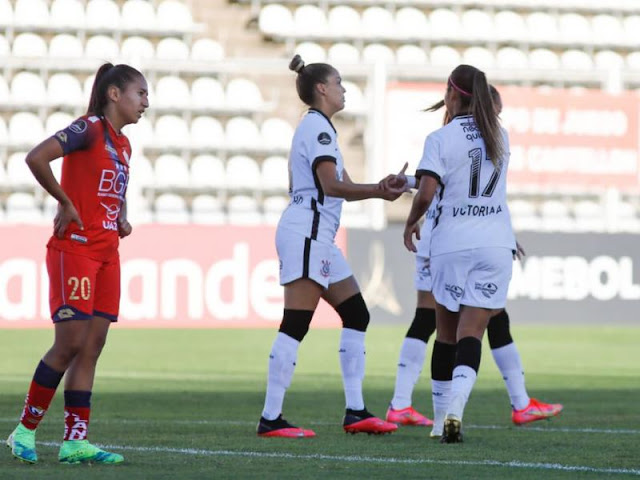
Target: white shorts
(477,278)
(423,281)
(301,257)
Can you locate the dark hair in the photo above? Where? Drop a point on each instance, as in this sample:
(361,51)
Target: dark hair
(308,77)
(475,96)
(495,97)
(107,75)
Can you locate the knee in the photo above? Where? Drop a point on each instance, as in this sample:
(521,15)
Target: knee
(354,313)
(295,323)
(498,330)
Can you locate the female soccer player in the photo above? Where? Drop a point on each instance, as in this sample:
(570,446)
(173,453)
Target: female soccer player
(311,265)
(82,257)
(472,239)
(412,353)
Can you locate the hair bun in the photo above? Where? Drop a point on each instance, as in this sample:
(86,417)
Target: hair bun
(296,64)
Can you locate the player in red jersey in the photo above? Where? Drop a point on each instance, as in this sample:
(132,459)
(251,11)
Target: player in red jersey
(82,257)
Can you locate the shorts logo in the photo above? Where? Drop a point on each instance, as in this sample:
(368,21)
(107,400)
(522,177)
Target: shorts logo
(455,291)
(324,138)
(487,288)
(62,136)
(78,126)
(325,271)
(65,313)
(297,199)
(36,411)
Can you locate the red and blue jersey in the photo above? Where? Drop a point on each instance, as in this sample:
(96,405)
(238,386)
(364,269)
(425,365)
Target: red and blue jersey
(95,173)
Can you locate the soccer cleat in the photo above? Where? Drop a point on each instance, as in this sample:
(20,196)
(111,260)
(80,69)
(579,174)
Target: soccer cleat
(407,416)
(281,428)
(536,410)
(22,443)
(452,430)
(361,421)
(436,432)
(73,452)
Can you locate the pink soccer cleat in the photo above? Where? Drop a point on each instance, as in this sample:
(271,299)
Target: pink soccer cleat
(407,416)
(536,410)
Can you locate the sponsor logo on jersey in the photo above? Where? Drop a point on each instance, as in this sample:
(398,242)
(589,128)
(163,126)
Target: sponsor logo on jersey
(113,183)
(476,210)
(324,138)
(486,288)
(78,238)
(112,213)
(62,136)
(455,291)
(325,271)
(79,126)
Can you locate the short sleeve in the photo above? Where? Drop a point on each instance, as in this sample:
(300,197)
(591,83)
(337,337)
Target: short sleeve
(77,136)
(431,162)
(322,145)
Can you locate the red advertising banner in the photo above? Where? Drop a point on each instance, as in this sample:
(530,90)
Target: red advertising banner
(559,139)
(172,276)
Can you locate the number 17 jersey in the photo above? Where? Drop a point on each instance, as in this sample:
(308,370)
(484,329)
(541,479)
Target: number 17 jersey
(471,207)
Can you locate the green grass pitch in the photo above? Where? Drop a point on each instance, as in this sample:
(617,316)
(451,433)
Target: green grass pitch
(183,404)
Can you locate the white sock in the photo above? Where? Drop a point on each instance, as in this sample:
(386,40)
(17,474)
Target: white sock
(508,360)
(464,377)
(282,363)
(352,360)
(412,355)
(440,394)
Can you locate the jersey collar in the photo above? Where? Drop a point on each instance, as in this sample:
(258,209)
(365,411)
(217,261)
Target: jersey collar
(315,110)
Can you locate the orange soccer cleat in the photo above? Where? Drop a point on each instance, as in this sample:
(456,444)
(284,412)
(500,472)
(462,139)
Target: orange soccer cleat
(281,428)
(361,421)
(536,410)
(407,416)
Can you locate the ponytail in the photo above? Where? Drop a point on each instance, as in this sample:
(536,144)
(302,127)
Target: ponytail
(106,76)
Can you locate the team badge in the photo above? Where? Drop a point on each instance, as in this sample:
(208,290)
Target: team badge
(79,126)
(36,411)
(455,291)
(487,288)
(325,271)
(324,138)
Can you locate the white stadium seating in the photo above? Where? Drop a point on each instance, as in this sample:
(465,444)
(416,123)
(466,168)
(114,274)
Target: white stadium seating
(67,13)
(207,92)
(65,45)
(102,47)
(171,171)
(208,171)
(174,15)
(243,210)
(207,209)
(29,45)
(138,15)
(22,208)
(411,23)
(102,14)
(170,208)
(206,132)
(31,13)
(206,50)
(243,173)
(242,132)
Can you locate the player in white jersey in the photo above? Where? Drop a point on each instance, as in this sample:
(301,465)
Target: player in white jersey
(311,265)
(465,163)
(413,352)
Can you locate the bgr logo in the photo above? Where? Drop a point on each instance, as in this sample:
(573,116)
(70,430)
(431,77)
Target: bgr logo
(324,138)
(487,288)
(455,291)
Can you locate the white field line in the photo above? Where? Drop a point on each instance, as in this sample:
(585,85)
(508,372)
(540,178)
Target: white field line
(363,459)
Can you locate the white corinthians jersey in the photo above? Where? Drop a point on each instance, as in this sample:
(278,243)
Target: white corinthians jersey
(310,211)
(472,207)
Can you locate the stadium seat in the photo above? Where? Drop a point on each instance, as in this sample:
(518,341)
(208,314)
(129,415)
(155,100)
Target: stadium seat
(275,173)
(4,91)
(444,56)
(5,48)
(574,28)
(479,57)
(102,47)
(243,210)
(171,131)
(477,25)
(509,26)
(25,129)
(207,93)
(102,14)
(50,204)
(137,48)
(207,210)
(67,13)
(174,15)
(589,216)
(141,174)
(63,89)
(344,22)
(243,173)
(543,59)
(172,49)
(172,92)
(377,22)
(170,208)
(207,50)
(29,45)
(633,61)
(56,168)
(140,134)
(576,60)
(28,89)
(241,132)
(6,13)
(343,53)
(4,135)
(138,15)
(276,134)
(411,55)
(541,26)
(608,60)
(206,132)
(354,98)
(275,19)
(555,216)
(171,171)
(57,121)
(208,171)
(18,173)
(378,52)
(411,23)
(273,208)
(444,23)
(607,30)
(309,21)
(243,94)
(631,29)
(510,58)
(625,218)
(523,215)
(65,46)
(311,52)
(22,208)
(31,13)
